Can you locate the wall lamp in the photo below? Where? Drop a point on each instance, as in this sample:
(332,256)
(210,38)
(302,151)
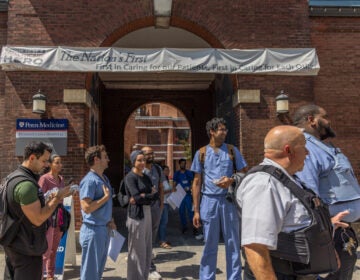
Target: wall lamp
(282,103)
(39,103)
(282,108)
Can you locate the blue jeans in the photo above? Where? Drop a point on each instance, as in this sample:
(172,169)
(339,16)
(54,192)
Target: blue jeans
(163,223)
(186,206)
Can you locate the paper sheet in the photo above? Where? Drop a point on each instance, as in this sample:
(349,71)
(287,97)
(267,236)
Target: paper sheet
(116,243)
(175,198)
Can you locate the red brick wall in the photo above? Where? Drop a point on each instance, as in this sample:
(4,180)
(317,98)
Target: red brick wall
(336,88)
(19,89)
(227,24)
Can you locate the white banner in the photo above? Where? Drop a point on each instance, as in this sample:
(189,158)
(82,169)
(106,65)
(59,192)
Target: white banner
(69,59)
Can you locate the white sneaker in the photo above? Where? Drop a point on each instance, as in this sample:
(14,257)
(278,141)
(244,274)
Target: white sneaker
(199,236)
(154,275)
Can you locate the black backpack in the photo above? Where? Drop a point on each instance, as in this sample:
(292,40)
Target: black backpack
(8,225)
(122,195)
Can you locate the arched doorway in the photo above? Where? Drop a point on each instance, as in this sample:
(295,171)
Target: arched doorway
(198,96)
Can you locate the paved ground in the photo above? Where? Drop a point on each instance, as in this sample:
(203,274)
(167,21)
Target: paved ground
(180,262)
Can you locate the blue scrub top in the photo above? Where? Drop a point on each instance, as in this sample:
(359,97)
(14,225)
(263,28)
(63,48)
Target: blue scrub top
(184,179)
(216,165)
(91,187)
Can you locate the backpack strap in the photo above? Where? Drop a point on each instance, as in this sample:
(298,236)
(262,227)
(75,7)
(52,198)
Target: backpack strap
(158,170)
(231,153)
(285,180)
(202,153)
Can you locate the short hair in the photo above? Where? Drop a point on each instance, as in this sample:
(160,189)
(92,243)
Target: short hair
(53,157)
(92,152)
(36,148)
(213,124)
(301,114)
(182,160)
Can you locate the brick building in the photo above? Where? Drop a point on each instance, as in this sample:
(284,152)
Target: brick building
(162,127)
(98,105)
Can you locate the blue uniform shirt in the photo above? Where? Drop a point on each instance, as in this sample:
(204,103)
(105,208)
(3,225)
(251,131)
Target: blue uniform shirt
(216,165)
(329,174)
(184,179)
(91,187)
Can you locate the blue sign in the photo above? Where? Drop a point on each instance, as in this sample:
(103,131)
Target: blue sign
(39,124)
(50,131)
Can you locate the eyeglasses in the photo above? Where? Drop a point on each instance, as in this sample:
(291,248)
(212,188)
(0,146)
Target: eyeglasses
(149,154)
(222,130)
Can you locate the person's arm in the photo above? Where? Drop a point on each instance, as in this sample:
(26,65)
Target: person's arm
(88,205)
(258,258)
(196,187)
(37,215)
(140,198)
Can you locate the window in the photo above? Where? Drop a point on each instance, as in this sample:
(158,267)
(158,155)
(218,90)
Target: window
(181,136)
(153,137)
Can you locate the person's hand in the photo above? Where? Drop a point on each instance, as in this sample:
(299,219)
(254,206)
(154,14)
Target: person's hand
(196,220)
(336,220)
(64,192)
(106,192)
(132,199)
(111,225)
(224,182)
(153,190)
(174,189)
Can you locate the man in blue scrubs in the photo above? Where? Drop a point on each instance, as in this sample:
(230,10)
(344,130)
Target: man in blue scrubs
(184,178)
(212,178)
(96,210)
(329,174)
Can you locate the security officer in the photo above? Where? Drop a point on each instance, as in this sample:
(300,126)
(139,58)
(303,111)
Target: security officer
(328,173)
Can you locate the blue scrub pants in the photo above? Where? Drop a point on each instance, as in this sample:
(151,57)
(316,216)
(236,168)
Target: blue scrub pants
(219,214)
(94,241)
(186,206)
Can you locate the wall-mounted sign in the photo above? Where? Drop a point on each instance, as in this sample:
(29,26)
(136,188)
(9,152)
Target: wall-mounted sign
(50,131)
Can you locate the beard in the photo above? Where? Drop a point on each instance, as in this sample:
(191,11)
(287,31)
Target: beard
(149,160)
(325,131)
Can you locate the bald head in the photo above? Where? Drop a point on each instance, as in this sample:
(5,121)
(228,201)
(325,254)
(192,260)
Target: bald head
(286,146)
(281,135)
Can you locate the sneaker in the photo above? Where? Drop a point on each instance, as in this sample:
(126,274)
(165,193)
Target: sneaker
(154,275)
(199,236)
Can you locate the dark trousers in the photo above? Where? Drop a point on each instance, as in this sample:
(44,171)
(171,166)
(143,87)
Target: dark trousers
(248,275)
(347,261)
(20,267)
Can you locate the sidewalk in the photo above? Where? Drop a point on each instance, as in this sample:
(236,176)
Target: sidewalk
(180,262)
